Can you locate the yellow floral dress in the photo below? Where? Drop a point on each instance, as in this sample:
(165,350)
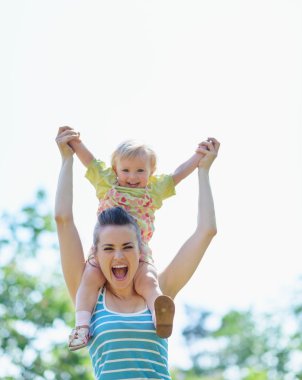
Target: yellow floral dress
(141,203)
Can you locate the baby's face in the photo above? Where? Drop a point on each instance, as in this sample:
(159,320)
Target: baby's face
(133,172)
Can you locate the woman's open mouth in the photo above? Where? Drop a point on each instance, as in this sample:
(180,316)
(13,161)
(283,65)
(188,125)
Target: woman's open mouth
(119,271)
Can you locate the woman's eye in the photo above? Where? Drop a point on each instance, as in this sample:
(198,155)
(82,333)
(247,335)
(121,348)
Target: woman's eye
(128,247)
(107,249)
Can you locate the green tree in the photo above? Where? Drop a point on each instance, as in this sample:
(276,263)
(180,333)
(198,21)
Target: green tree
(245,346)
(34,304)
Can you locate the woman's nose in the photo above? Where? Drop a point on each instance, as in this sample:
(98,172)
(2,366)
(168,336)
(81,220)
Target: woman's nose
(118,253)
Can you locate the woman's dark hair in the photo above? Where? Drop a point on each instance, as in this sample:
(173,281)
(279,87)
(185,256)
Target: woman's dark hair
(114,216)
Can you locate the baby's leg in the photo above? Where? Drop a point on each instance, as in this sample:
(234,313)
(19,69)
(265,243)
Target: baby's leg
(161,306)
(146,284)
(92,280)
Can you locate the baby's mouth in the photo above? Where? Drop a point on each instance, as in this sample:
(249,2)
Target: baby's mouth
(119,271)
(133,184)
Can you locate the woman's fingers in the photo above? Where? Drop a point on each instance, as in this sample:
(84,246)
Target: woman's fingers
(201,149)
(66,131)
(209,149)
(207,145)
(63,129)
(66,138)
(215,143)
(66,134)
(211,144)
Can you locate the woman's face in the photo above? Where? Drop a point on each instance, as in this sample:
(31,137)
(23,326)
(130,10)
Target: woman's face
(118,255)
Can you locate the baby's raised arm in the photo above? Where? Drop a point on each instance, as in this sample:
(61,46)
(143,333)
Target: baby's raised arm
(82,152)
(187,167)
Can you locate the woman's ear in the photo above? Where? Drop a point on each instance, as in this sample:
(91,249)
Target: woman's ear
(92,250)
(92,258)
(96,260)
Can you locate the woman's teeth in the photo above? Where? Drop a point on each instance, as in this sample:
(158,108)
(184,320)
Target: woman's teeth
(120,271)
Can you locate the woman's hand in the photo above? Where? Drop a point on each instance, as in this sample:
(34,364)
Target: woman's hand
(209,150)
(64,136)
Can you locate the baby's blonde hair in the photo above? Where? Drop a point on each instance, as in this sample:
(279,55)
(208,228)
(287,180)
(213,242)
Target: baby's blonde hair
(132,149)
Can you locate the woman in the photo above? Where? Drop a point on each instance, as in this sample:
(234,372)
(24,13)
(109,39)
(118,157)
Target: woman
(124,344)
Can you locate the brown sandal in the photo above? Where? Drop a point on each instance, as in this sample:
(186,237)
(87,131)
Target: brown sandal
(164,312)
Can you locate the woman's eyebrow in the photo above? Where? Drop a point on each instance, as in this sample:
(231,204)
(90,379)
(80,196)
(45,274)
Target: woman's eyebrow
(107,245)
(129,242)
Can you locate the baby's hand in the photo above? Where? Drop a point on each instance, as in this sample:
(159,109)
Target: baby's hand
(201,146)
(209,150)
(64,137)
(75,138)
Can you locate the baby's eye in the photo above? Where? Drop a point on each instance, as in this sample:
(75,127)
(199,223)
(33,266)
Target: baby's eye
(140,170)
(125,170)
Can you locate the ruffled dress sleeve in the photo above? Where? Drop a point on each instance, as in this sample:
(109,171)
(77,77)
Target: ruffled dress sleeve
(101,177)
(161,187)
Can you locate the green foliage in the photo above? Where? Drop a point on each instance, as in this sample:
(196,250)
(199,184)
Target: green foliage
(243,346)
(177,374)
(34,302)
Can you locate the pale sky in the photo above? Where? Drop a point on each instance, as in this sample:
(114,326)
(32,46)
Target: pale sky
(170,73)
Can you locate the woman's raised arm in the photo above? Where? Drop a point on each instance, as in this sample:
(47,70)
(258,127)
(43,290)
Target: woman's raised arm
(184,264)
(72,257)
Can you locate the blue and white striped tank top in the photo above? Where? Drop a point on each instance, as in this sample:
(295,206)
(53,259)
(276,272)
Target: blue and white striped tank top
(125,346)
